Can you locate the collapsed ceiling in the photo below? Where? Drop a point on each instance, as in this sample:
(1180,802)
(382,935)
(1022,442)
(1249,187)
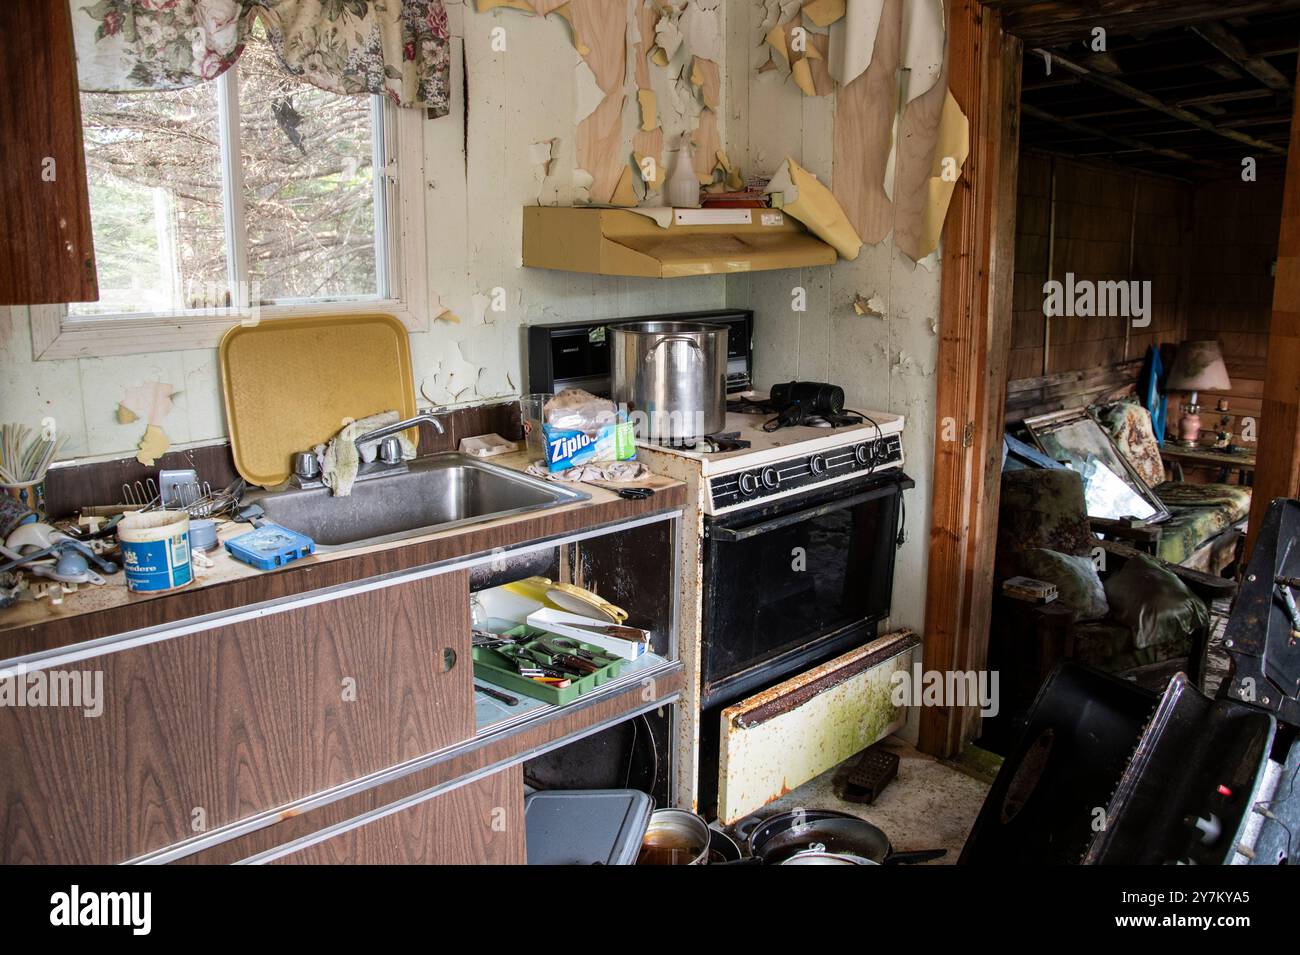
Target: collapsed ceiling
(1179,89)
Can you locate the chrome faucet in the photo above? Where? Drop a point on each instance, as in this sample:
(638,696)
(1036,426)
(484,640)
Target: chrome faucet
(388,460)
(432,417)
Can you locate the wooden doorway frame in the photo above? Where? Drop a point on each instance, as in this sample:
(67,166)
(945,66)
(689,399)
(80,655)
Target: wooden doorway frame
(974,340)
(978,256)
(1277,473)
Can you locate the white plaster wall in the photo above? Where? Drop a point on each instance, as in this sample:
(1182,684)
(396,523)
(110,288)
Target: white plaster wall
(474,213)
(885,364)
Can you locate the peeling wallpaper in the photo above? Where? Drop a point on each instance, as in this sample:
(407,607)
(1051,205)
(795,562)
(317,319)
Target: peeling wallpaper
(526,94)
(884,359)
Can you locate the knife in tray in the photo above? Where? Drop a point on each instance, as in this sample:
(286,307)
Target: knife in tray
(616,630)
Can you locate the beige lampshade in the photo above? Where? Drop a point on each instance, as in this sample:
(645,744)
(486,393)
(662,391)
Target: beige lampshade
(1198,367)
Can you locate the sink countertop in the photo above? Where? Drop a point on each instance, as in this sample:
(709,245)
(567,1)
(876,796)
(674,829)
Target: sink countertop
(91,612)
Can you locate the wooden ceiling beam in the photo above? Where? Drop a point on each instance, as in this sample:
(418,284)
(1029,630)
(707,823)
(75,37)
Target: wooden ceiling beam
(1218,37)
(1092,131)
(1235,96)
(1120,88)
(1051,22)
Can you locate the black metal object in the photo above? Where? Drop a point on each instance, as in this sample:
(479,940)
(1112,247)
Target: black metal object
(577,354)
(1092,780)
(798,400)
(1260,638)
(1053,787)
(781,836)
(863,780)
(1185,795)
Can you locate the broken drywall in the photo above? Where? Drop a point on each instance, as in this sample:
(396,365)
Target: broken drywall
(151,401)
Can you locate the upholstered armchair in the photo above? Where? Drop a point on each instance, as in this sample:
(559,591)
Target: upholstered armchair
(1042,509)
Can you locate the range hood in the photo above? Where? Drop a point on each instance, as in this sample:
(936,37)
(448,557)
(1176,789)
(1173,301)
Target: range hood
(602,241)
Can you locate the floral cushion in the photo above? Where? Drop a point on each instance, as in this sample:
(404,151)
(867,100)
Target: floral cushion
(1233,499)
(1187,529)
(1129,426)
(1041,508)
(1198,512)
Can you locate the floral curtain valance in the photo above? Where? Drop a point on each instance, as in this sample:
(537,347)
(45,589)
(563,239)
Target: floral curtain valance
(398,48)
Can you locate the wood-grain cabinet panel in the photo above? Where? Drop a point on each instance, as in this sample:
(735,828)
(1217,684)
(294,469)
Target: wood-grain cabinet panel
(212,727)
(480,823)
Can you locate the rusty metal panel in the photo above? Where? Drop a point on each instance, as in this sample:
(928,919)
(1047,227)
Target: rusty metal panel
(784,736)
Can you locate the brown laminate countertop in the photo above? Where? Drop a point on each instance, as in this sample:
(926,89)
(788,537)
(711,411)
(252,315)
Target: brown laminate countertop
(91,612)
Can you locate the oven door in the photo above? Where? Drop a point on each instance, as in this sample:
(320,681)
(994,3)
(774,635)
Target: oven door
(792,583)
(787,734)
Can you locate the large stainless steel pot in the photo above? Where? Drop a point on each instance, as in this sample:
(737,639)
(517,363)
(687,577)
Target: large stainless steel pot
(672,378)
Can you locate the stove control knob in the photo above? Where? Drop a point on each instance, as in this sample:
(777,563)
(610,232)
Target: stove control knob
(770,478)
(882,451)
(748,484)
(863,454)
(817,464)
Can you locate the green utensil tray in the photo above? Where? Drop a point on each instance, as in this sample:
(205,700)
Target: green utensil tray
(492,666)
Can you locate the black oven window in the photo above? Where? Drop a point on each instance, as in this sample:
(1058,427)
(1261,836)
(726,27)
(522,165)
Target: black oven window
(816,578)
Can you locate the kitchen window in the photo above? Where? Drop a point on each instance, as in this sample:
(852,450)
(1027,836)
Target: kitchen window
(250,197)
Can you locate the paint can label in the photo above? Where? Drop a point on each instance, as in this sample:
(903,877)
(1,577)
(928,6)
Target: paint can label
(157,565)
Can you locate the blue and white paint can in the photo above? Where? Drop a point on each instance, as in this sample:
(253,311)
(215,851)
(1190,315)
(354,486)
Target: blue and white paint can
(155,550)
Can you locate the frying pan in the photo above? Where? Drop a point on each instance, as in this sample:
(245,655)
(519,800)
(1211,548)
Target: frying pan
(779,837)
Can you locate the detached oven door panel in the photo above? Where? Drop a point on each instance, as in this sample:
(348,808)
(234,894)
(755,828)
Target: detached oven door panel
(791,583)
(792,732)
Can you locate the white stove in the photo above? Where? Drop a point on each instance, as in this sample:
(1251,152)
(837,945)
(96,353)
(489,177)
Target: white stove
(737,520)
(778,464)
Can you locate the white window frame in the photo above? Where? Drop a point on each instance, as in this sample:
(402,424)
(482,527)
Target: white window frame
(403,272)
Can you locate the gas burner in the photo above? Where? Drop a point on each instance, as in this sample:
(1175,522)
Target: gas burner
(712,443)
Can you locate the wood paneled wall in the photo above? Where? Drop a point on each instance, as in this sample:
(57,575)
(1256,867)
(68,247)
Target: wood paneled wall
(1233,247)
(1103,224)
(1208,250)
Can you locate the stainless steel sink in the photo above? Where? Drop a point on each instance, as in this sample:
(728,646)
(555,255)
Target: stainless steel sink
(429,494)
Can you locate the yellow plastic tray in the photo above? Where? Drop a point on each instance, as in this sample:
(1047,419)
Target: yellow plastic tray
(290,384)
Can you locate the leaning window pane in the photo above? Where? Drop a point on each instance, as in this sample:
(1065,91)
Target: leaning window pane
(308,185)
(153,167)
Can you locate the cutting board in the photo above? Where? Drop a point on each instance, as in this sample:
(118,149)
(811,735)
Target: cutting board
(290,384)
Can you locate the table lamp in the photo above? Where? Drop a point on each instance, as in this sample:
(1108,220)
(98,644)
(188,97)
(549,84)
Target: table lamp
(1197,367)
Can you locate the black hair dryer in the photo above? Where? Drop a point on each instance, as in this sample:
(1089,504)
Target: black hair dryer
(798,400)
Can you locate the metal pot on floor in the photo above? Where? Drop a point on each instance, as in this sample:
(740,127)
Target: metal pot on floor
(671,377)
(811,835)
(675,837)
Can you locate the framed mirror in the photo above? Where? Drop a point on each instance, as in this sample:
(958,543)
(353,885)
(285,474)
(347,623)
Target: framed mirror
(1111,488)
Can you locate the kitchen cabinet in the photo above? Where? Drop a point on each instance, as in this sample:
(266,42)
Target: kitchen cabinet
(46,250)
(479,823)
(230,718)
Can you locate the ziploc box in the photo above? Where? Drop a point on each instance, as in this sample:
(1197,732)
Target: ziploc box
(569,447)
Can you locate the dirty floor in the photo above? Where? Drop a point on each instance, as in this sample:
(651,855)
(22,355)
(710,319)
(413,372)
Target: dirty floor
(929,805)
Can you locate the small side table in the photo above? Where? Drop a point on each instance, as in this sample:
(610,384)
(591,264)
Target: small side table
(1178,457)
